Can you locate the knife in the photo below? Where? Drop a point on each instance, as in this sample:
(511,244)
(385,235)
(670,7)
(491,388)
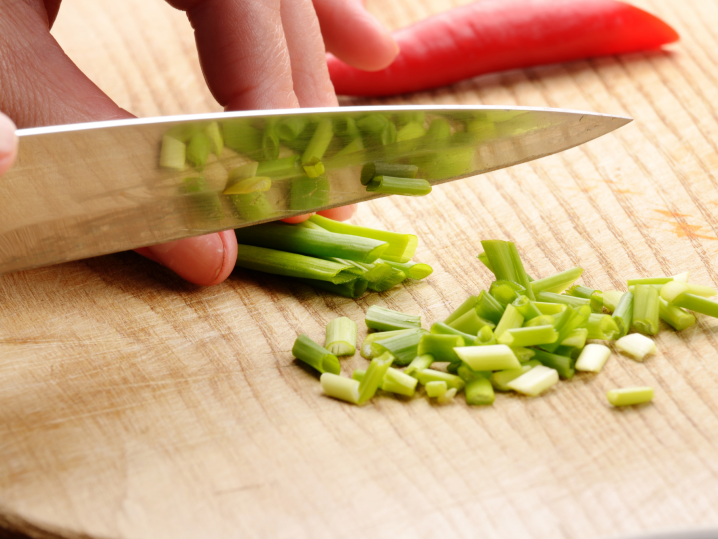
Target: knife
(83,190)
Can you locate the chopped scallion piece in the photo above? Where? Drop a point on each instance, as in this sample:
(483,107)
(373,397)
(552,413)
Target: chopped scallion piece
(623,313)
(389,185)
(697,304)
(682,277)
(413,270)
(500,379)
(510,319)
(675,316)
(485,337)
(602,326)
(528,336)
(557,283)
(506,263)
(611,299)
(410,131)
(649,280)
(313,168)
(506,292)
(430,375)
(593,357)
(291,127)
(594,296)
(198,149)
(403,346)
(341,337)
(468,304)
(479,392)
(418,364)
(394,278)
(439,328)
(535,381)
(569,320)
(645,309)
(543,320)
(397,170)
(172,153)
(286,167)
(440,346)
(435,388)
(522,353)
(249,185)
(526,308)
(629,395)
(571,301)
(291,264)
(549,308)
(491,357)
(562,364)
(318,144)
(384,319)
(374,376)
(374,272)
(366,349)
(401,246)
(636,346)
(340,387)
(576,339)
(487,307)
(467,374)
(400,383)
(471,323)
(446,397)
(314,355)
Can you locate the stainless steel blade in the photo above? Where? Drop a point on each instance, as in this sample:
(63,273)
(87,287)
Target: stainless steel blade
(89,189)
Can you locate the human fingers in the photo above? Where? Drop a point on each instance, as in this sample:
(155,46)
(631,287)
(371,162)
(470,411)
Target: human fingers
(338,214)
(40,85)
(353,34)
(8,143)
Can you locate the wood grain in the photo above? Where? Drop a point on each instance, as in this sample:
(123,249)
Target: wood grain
(135,405)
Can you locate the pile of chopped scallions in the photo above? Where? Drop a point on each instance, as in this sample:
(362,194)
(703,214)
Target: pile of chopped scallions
(339,257)
(520,335)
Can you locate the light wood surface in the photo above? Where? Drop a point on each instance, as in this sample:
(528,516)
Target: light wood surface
(134,405)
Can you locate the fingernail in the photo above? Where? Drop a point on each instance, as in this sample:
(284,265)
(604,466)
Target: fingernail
(199,260)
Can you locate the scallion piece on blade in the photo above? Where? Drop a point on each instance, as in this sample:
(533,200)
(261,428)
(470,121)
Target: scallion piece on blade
(645,309)
(471,323)
(602,326)
(435,388)
(286,167)
(366,349)
(389,185)
(649,280)
(319,243)
(318,144)
(356,145)
(510,319)
(242,172)
(592,358)
(306,194)
(397,170)
(576,339)
(291,127)
(571,301)
(485,337)
(354,288)
(403,346)
(564,365)
(313,168)
(629,395)
(198,149)
(410,131)
(506,263)
(314,355)
(535,381)
(500,379)
(384,319)
(439,328)
(491,357)
(340,387)
(549,308)
(249,185)
(418,364)
(487,307)
(413,270)
(394,278)
(623,313)
(479,392)
(172,153)
(531,336)
(430,375)
(374,376)
(440,346)
(636,346)
(697,304)
(341,336)
(675,316)
(611,299)
(557,283)
(526,307)
(291,264)
(401,246)
(215,138)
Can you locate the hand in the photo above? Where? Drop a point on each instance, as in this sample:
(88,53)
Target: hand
(255,54)
(8,143)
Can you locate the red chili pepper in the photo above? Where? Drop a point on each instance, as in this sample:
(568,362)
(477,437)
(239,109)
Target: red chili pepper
(496,35)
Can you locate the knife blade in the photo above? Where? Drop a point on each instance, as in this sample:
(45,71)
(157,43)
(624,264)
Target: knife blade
(83,190)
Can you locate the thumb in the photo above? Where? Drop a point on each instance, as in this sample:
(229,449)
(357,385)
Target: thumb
(8,143)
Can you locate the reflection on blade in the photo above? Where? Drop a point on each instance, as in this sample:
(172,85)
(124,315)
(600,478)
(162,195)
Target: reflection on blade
(79,191)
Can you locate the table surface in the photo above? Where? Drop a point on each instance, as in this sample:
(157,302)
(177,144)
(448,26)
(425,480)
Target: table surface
(136,405)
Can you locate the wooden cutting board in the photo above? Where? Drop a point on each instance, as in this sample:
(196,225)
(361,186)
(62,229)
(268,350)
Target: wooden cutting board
(135,405)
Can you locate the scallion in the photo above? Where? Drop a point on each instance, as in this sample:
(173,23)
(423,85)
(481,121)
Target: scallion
(430,375)
(696,303)
(403,346)
(256,184)
(535,381)
(413,270)
(492,357)
(172,153)
(526,307)
(418,364)
(435,388)
(627,396)
(611,298)
(291,264)
(374,376)
(397,170)
(439,328)
(485,337)
(340,387)
(623,313)
(506,263)
(528,336)
(564,365)
(592,358)
(636,346)
(571,301)
(471,323)
(384,319)
(500,379)
(314,355)
(341,336)
(440,346)
(510,319)
(675,316)
(389,185)
(645,309)
(576,339)
(556,283)
(318,144)
(390,281)
(602,326)
(479,392)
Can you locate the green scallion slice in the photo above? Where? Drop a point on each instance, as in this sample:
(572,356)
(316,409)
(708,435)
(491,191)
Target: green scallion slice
(374,272)
(341,336)
(506,263)
(523,354)
(471,323)
(479,392)
(543,320)
(384,319)
(290,128)
(492,357)
(403,346)
(628,396)
(439,328)
(649,280)
(468,304)
(510,319)
(389,185)
(215,138)
(675,316)
(413,270)
(485,337)
(340,387)
(315,356)
(549,308)
(318,144)
(526,307)
(401,246)
(198,149)
(623,313)
(576,339)
(506,292)
(354,288)
(286,167)
(611,298)
(571,301)
(564,365)
(696,303)
(366,349)
(645,309)
(535,381)
(319,243)
(291,264)
(572,318)
(396,170)
(418,364)
(500,379)
(593,295)
(557,283)
(440,346)
(592,358)
(410,131)
(636,346)
(399,382)
(430,375)
(602,326)
(172,153)
(467,374)
(255,184)
(374,376)
(528,336)
(394,278)
(436,388)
